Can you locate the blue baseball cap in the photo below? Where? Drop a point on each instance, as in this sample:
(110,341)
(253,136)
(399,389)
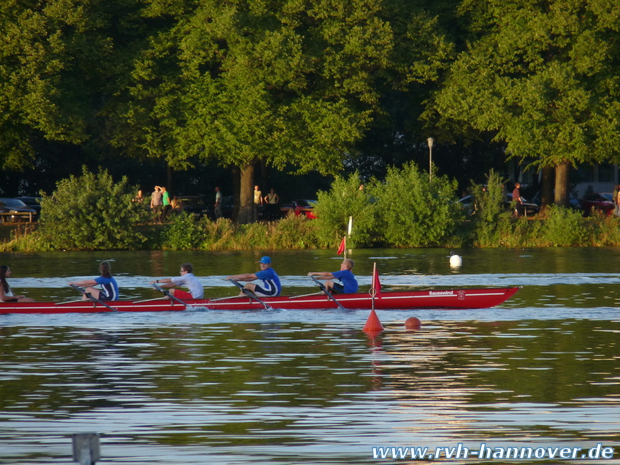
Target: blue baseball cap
(266,260)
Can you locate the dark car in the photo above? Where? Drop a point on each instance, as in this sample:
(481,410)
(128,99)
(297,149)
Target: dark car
(601,202)
(32,202)
(572,201)
(300,207)
(195,205)
(467,204)
(13,210)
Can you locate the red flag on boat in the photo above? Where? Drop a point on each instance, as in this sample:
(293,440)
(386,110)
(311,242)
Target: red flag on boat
(343,245)
(376,284)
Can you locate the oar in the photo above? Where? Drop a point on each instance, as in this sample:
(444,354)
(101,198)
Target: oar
(69,302)
(329,294)
(148,300)
(250,294)
(91,298)
(225,298)
(304,295)
(168,294)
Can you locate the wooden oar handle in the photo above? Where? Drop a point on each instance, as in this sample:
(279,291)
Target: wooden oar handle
(168,294)
(237,283)
(250,294)
(319,283)
(92,298)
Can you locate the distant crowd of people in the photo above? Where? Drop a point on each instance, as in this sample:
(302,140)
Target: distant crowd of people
(162,206)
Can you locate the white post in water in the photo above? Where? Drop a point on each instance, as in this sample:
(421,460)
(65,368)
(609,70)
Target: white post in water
(86,448)
(350,226)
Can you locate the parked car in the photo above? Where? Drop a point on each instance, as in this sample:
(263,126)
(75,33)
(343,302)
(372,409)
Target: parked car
(300,207)
(195,205)
(13,210)
(602,202)
(467,204)
(572,201)
(32,202)
(529,208)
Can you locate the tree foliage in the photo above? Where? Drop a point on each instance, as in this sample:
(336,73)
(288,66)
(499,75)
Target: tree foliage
(291,83)
(92,212)
(542,76)
(60,63)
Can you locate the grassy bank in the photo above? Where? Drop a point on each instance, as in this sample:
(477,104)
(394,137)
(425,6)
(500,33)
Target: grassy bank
(561,228)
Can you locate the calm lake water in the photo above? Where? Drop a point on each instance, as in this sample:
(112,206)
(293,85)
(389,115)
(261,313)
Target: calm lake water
(541,371)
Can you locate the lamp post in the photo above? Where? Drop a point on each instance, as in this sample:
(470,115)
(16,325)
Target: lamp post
(430,141)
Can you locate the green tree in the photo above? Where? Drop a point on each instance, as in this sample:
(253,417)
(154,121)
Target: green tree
(92,212)
(62,63)
(289,84)
(543,77)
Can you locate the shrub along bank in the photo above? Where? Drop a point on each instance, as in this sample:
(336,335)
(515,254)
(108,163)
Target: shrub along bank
(407,209)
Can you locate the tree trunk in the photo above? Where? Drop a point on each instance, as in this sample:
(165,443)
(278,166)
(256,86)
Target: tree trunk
(546,197)
(562,171)
(246,195)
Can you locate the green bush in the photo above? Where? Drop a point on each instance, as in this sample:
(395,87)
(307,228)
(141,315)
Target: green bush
(91,212)
(564,227)
(218,235)
(604,230)
(415,212)
(294,232)
(490,215)
(345,199)
(183,233)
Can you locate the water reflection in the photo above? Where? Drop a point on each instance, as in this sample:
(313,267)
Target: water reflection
(310,387)
(291,388)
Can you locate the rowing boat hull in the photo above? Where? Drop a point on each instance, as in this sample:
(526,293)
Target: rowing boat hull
(454,299)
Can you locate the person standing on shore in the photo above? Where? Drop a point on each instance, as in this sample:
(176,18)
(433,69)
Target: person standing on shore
(258,202)
(518,200)
(165,200)
(217,207)
(156,204)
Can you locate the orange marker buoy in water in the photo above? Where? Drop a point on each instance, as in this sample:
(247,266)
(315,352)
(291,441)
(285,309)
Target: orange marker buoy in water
(373,324)
(412,323)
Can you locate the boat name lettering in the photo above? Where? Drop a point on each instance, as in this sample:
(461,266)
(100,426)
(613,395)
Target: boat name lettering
(441,293)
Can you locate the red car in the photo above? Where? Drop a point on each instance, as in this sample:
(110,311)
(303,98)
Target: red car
(600,202)
(300,207)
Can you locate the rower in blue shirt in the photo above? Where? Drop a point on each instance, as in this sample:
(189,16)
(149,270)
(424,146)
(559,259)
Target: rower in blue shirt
(109,287)
(270,281)
(348,283)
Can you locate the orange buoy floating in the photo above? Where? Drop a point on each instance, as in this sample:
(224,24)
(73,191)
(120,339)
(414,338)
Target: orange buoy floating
(412,323)
(373,324)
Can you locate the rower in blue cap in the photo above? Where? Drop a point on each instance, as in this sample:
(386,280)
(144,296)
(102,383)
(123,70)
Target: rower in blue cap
(270,282)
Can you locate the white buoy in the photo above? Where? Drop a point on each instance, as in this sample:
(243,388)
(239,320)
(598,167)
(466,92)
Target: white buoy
(455,260)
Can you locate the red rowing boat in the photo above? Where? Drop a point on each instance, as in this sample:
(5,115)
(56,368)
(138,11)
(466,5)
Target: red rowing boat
(453,299)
